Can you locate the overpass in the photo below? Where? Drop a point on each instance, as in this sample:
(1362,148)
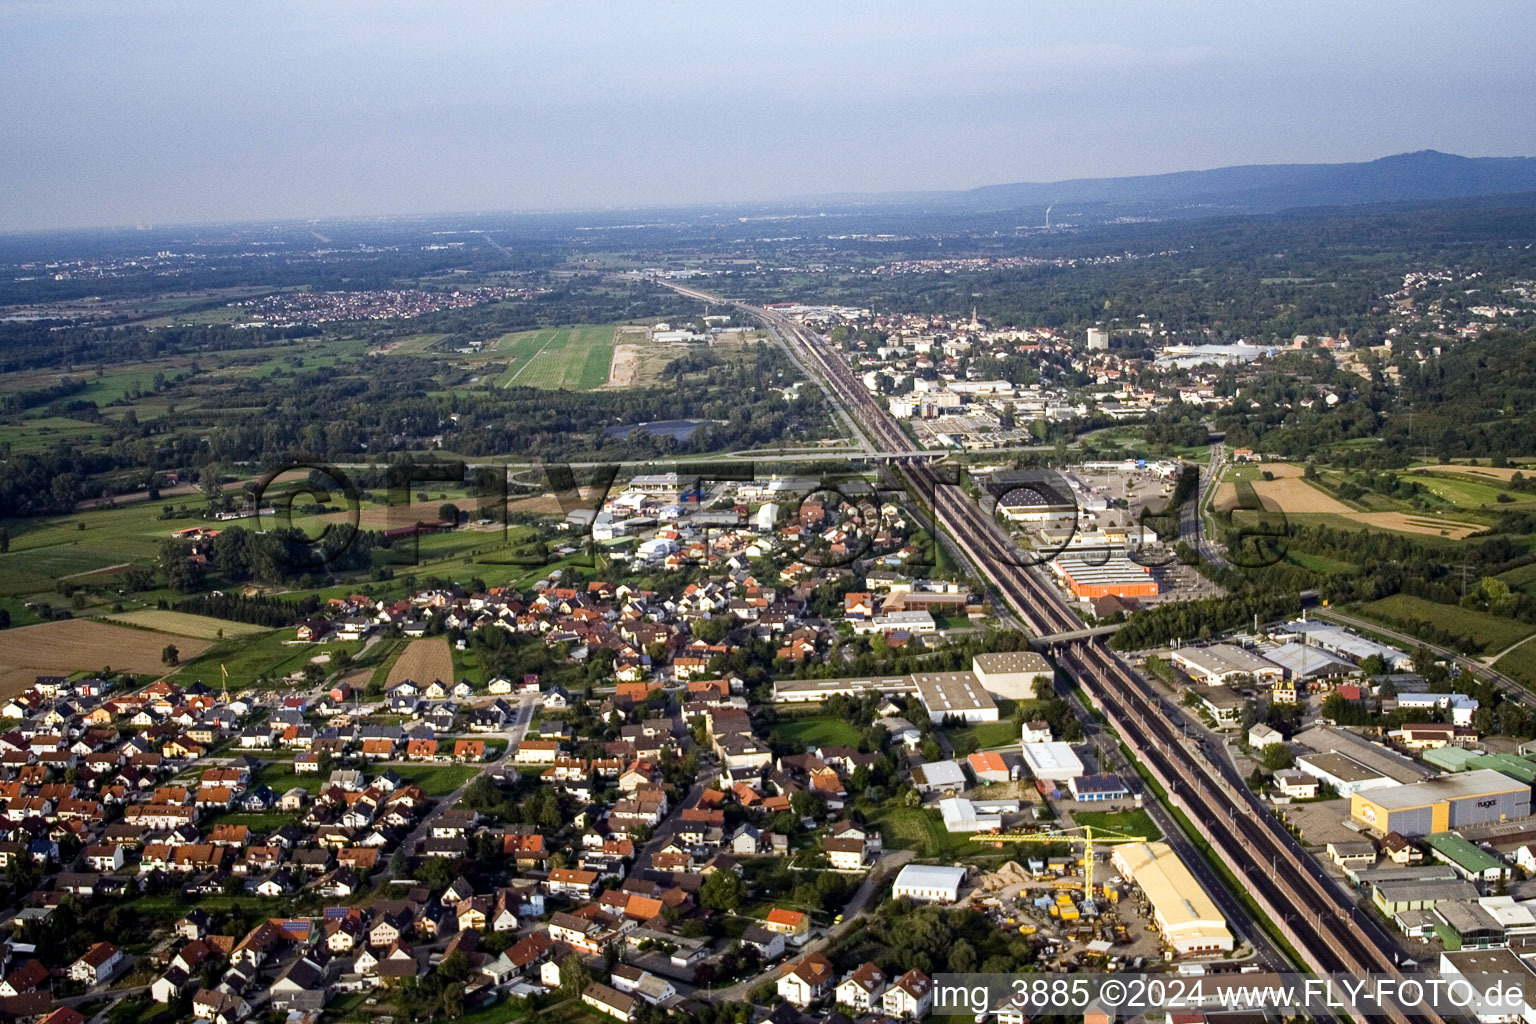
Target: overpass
(1085,633)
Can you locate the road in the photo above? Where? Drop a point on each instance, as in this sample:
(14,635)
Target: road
(1467,664)
(1191,518)
(514,736)
(889,861)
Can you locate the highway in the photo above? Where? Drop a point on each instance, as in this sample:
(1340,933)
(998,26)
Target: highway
(1326,929)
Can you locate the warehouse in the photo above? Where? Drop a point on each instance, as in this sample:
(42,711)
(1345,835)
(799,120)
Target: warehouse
(1225,663)
(1032,500)
(1012,675)
(929,883)
(1116,577)
(1473,863)
(1054,762)
(806,691)
(1444,803)
(1185,915)
(954,695)
(1346,775)
(1303,663)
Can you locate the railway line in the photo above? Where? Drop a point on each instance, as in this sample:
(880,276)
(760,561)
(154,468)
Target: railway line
(1323,925)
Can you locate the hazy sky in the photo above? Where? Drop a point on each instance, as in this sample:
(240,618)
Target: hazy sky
(112,113)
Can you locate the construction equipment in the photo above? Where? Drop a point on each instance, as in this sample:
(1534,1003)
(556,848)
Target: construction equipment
(1086,835)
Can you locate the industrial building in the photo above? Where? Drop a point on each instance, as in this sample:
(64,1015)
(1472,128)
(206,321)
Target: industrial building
(805,691)
(954,694)
(1011,675)
(1185,915)
(929,883)
(1117,576)
(1341,641)
(1303,663)
(1225,663)
(1024,497)
(1444,803)
(1346,775)
(1097,788)
(961,815)
(1054,762)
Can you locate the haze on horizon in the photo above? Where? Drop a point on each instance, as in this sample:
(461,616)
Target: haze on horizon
(176,112)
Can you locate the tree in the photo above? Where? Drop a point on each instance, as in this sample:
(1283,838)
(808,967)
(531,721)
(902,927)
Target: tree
(721,891)
(575,975)
(169,655)
(448,512)
(1277,757)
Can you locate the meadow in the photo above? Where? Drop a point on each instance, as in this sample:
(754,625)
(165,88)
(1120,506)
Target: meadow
(1488,632)
(567,358)
(198,627)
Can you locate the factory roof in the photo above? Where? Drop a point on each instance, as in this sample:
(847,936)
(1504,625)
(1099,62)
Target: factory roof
(1462,853)
(1421,890)
(1223,659)
(1302,661)
(1185,909)
(1011,661)
(1483,782)
(1048,757)
(952,692)
(929,876)
(1340,766)
(1451,759)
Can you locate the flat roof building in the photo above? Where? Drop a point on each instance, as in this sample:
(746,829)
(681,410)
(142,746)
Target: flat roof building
(1346,775)
(929,883)
(954,694)
(799,691)
(1224,663)
(1117,576)
(1186,916)
(1442,804)
(1012,674)
(1303,662)
(1053,761)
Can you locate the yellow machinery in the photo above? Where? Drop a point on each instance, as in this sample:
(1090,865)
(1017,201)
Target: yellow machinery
(1085,836)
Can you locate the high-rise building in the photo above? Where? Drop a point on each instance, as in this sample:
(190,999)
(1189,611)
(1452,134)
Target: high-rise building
(1098,339)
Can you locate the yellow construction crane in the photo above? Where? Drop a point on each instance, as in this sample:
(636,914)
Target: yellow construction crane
(1086,835)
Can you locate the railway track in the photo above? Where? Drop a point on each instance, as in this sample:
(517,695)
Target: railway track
(1323,925)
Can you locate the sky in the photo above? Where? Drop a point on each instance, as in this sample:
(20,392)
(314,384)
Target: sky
(183,112)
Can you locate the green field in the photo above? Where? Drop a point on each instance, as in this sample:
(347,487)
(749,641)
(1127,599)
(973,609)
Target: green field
(1489,632)
(922,831)
(272,655)
(1001,733)
(567,358)
(1132,823)
(816,731)
(1319,563)
(1520,664)
(436,779)
(1464,492)
(1522,579)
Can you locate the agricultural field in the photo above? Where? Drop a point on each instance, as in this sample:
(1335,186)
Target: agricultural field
(816,731)
(1520,664)
(198,627)
(566,358)
(79,645)
(1465,492)
(1522,579)
(1288,492)
(423,660)
(1319,563)
(1489,633)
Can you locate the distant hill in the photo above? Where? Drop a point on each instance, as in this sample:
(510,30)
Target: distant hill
(1258,188)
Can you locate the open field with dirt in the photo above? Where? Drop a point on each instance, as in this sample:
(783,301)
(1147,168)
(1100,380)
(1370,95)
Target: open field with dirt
(423,661)
(626,366)
(1405,522)
(198,627)
(1491,472)
(77,645)
(1288,492)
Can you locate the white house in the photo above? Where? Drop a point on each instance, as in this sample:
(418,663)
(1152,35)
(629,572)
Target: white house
(910,995)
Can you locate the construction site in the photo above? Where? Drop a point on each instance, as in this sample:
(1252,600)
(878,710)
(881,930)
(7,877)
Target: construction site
(1084,907)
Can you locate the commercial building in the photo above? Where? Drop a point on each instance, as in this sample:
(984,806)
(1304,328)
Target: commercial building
(929,883)
(1481,967)
(1470,862)
(1460,706)
(1444,803)
(1011,675)
(1225,663)
(961,815)
(1392,898)
(1098,788)
(1025,498)
(805,691)
(1345,643)
(1054,761)
(954,694)
(1117,576)
(1346,775)
(1303,663)
(1187,918)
